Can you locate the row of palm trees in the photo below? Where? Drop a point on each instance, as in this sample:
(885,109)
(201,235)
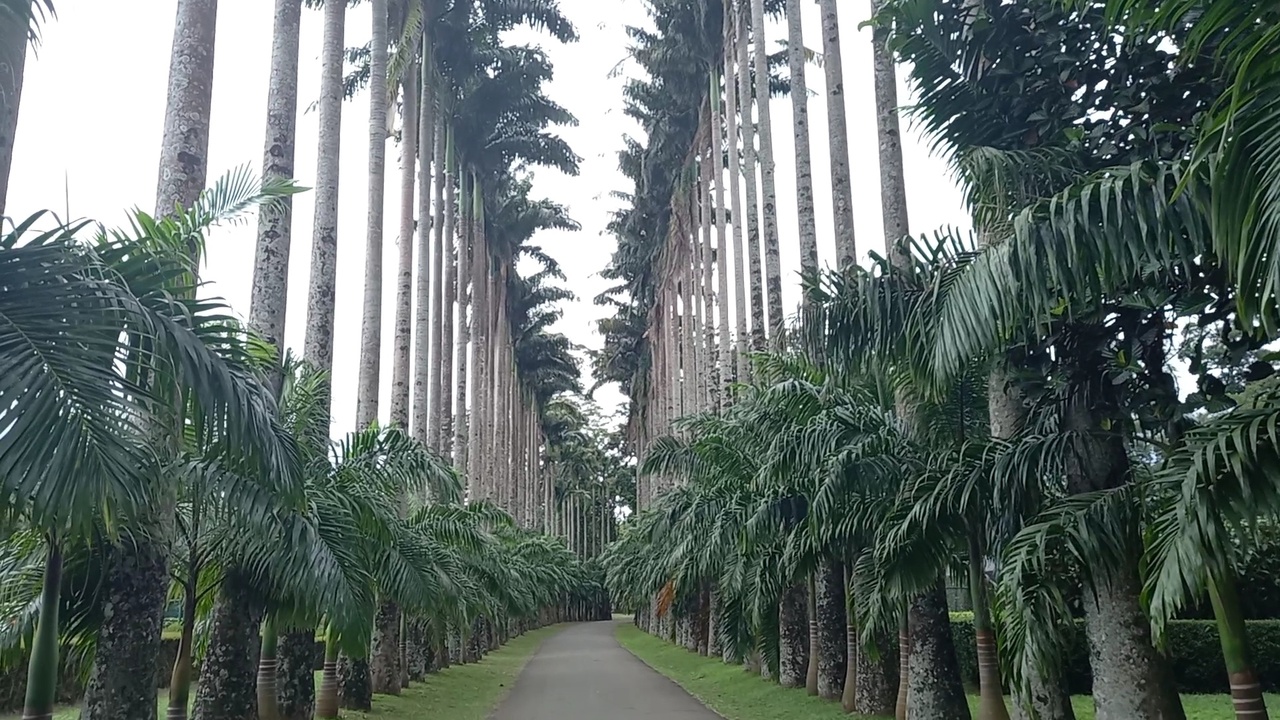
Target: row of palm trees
(211,448)
(1002,401)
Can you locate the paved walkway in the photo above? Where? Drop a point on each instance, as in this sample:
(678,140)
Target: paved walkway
(582,673)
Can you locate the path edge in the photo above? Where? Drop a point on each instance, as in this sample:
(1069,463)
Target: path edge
(560,627)
(670,679)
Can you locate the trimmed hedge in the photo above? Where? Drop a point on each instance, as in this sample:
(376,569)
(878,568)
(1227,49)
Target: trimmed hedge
(13,682)
(1194,653)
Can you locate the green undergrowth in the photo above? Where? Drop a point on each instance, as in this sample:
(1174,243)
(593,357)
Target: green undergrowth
(737,695)
(460,692)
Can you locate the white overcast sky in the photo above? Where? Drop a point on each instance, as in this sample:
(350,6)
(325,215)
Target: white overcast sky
(93,107)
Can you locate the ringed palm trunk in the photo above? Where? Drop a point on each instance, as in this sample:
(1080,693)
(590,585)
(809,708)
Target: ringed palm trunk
(268,673)
(122,680)
(13,61)
(42,668)
(1246,691)
(991,704)
(329,698)
(805,213)
(811,671)
(838,130)
(933,675)
(228,678)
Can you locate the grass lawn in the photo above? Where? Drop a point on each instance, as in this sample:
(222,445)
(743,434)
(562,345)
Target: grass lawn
(462,692)
(736,695)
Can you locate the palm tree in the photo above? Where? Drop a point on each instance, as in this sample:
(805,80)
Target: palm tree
(837,128)
(740,290)
(138,580)
(808,236)
(753,218)
(769,195)
(371,313)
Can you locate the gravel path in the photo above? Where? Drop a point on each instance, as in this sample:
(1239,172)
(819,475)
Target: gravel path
(582,673)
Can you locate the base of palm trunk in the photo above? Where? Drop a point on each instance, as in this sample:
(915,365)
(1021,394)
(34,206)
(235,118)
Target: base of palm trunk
(122,682)
(384,654)
(832,641)
(295,675)
(328,700)
(1045,696)
(268,703)
(793,637)
(355,691)
(228,677)
(934,689)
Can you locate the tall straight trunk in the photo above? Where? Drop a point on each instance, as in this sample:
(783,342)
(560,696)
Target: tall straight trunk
(1130,678)
(460,420)
(122,680)
(1246,691)
(371,313)
(180,680)
(830,605)
(42,667)
(443,404)
(13,61)
(228,675)
(838,130)
(740,290)
(432,150)
(768,188)
(933,675)
(295,671)
(754,252)
(443,144)
(268,673)
(722,242)
(893,182)
(479,325)
(689,359)
(904,666)
(402,345)
(793,636)
(711,387)
(805,213)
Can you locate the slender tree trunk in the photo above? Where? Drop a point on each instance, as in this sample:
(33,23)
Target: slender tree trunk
(460,422)
(329,699)
(722,243)
(793,636)
(711,387)
(837,127)
(228,674)
(432,148)
(443,144)
(1246,691)
(904,666)
(180,680)
(371,323)
(749,176)
(933,674)
(769,194)
(13,61)
(402,346)
(991,704)
(443,420)
(268,668)
(800,123)
(122,680)
(830,642)
(893,183)
(42,668)
(740,290)
(479,327)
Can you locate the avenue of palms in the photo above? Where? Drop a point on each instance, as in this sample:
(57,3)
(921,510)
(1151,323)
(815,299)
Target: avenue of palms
(1058,413)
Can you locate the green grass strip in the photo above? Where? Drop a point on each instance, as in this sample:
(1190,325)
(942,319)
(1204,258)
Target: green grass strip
(737,695)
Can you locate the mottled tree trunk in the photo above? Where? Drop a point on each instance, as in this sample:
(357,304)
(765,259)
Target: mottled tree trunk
(933,675)
(354,689)
(753,220)
(371,308)
(832,639)
(122,680)
(442,419)
(432,150)
(13,61)
(769,193)
(228,674)
(740,290)
(793,636)
(815,650)
(296,689)
(837,128)
(384,653)
(805,213)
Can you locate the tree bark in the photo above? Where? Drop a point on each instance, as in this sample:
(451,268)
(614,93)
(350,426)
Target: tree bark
(371,315)
(461,420)
(42,667)
(13,61)
(432,150)
(832,657)
(753,219)
(384,654)
(268,673)
(933,676)
(815,648)
(740,290)
(893,183)
(355,692)
(295,673)
(443,419)
(228,675)
(838,130)
(769,193)
(805,213)
(793,637)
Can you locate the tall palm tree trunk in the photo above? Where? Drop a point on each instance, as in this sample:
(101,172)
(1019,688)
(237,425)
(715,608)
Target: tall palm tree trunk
(722,244)
(711,388)
(228,682)
(479,328)
(740,289)
(749,177)
(768,189)
(443,139)
(805,213)
(460,420)
(13,61)
(793,636)
(431,145)
(122,680)
(838,130)
(991,704)
(933,675)
(443,404)
(831,640)
(42,667)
